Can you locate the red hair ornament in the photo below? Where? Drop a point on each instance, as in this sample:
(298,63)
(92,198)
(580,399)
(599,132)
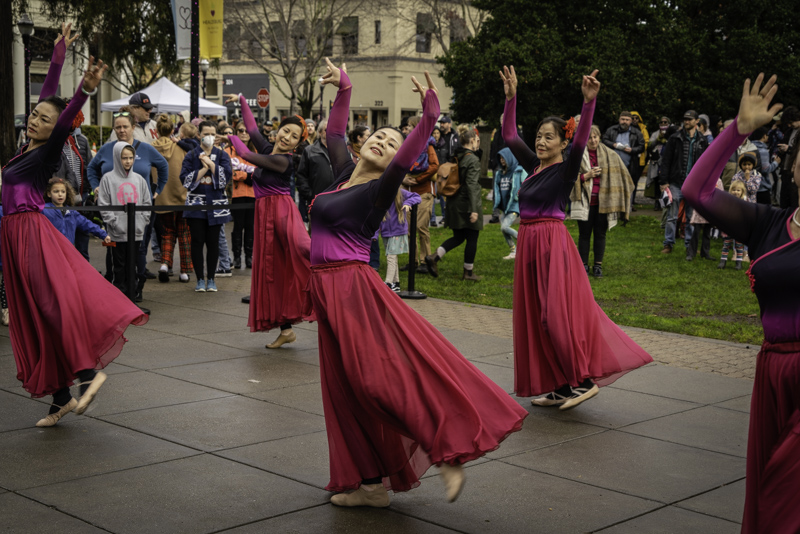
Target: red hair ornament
(569,128)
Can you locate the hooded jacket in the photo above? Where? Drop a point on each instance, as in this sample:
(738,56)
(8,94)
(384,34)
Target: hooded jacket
(68,221)
(516,173)
(120,187)
(646,135)
(174,192)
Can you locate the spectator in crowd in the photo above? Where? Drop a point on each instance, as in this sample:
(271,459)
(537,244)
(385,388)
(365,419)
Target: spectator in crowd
(243,219)
(123,185)
(315,174)
(704,126)
(739,191)
(356,139)
(421,181)
(147,159)
(638,122)
(464,212)
(733,163)
(59,192)
(748,174)
(312,131)
(224,262)
(683,150)
(788,153)
(508,177)
(598,198)
(451,140)
(656,145)
(766,165)
(144,128)
(173,224)
(629,144)
(394,231)
(205,174)
(701,226)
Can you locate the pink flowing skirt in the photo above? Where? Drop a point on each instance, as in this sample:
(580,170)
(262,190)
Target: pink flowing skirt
(65,317)
(561,335)
(773,443)
(398,397)
(281,265)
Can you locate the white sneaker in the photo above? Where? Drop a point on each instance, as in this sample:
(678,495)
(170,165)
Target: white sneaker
(511,256)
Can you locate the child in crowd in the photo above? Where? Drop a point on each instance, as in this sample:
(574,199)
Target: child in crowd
(507,180)
(749,175)
(118,187)
(702,226)
(738,190)
(61,194)
(394,230)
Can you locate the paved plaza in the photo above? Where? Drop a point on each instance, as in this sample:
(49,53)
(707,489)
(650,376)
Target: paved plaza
(200,429)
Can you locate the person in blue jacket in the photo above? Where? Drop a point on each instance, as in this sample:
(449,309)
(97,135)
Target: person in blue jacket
(508,178)
(61,194)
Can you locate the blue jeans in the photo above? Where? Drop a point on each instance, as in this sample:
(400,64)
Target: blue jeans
(375,255)
(505,226)
(672,218)
(224,254)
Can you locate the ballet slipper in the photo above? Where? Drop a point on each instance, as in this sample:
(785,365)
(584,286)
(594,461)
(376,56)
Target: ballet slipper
(378,497)
(53,418)
(454,480)
(91,391)
(282,339)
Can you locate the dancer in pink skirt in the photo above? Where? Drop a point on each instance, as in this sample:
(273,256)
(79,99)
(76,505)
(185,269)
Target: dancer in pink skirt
(398,397)
(773,239)
(281,244)
(564,344)
(67,320)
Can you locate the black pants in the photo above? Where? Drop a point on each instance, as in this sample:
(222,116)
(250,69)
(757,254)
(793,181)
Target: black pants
(459,236)
(243,224)
(597,224)
(788,190)
(206,235)
(705,248)
(119,258)
(636,173)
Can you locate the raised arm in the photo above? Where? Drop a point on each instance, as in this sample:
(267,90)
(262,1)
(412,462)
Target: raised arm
(277,163)
(590,87)
(733,216)
(262,145)
(337,123)
(63,41)
(525,156)
(415,143)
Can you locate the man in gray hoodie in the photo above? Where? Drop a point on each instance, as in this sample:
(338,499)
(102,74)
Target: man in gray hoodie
(118,187)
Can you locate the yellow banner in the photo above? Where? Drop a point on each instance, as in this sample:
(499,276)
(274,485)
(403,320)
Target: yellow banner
(210,28)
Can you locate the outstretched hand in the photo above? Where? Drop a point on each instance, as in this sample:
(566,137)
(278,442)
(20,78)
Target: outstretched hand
(509,77)
(66,30)
(334,74)
(231,98)
(754,109)
(590,87)
(419,88)
(94,73)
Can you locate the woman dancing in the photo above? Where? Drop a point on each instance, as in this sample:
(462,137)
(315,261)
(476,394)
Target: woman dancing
(398,397)
(67,319)
(280,244)
(564,345)
(773,238)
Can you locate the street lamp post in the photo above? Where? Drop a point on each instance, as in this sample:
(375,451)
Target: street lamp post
(25,25)
(321,100)
(204,70)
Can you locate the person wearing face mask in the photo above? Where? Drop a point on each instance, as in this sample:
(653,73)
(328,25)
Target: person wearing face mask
(67,320)
(394,403)
(565,346)
(464,214)
(281,243)
(205,173)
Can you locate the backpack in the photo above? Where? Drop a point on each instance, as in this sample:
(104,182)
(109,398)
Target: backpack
(448,181)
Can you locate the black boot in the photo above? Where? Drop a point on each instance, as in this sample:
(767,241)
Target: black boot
(469,275)
(722,263)
(738,266)
(431,261)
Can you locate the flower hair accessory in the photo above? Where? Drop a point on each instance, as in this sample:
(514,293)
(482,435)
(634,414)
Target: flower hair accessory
(304,136)
(570,128)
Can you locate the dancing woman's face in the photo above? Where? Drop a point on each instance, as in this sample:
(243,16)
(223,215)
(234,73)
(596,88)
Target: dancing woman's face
(288,137)
(41,121)
(380,147)
(549,145)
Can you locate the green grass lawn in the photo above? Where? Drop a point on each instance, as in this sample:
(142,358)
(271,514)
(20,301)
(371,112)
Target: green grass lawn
(640,286)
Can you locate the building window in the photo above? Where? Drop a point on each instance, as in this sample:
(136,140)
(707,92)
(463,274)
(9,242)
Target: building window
(425,27)
(348,29)
(232,35)
(377,32)
(458,30)
(278,43)
(299,38)
(255,49)
(212,89)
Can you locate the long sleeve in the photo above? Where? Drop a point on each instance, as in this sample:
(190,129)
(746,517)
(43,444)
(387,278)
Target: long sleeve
(51,151)
(570,171)
(143,217)
(94,169)
(525,156)
(188,172)
(415,143)
(411,199)
(223,169)
(104,199)
(733,216)
(337,126)
(162,168)
(276,163)
(301,178)
(262,145)
(54,72)
(471,175)
(433,167)
(88,227)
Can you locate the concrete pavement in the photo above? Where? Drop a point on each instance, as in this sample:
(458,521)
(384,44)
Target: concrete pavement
(201,429)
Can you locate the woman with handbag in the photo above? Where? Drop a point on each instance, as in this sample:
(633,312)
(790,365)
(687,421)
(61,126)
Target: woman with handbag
(464,214)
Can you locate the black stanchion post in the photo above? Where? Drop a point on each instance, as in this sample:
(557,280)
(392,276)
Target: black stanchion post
(132,255)
(411,293)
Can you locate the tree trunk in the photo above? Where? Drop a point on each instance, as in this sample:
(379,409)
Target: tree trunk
(8,141)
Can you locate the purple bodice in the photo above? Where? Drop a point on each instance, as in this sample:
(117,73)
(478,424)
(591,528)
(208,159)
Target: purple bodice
(267,182)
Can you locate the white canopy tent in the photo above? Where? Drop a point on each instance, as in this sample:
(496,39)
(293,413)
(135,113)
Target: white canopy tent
(167,97)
